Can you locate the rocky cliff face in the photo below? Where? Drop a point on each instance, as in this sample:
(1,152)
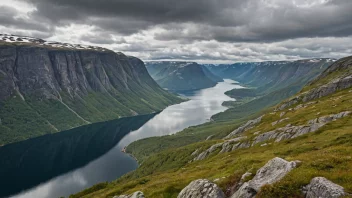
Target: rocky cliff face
(63,86)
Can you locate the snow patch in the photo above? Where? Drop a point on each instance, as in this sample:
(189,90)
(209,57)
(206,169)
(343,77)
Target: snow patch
(9,38)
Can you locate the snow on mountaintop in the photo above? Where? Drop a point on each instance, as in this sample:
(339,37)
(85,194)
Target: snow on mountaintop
(26,39)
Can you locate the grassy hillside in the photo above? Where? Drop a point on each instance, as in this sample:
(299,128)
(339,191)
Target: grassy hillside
(270,82)
(167,168)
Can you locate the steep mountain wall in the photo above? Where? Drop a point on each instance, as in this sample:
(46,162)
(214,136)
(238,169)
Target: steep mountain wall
(45,89)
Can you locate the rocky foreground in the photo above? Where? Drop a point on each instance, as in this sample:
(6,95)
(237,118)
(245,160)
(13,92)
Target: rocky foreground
(272,172)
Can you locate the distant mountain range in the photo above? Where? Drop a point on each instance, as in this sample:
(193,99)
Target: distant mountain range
(272,75)
(182,76)
(271,82)
(46,87)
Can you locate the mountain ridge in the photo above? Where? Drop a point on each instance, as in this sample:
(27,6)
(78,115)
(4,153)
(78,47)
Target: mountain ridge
(182,76)
(45,87)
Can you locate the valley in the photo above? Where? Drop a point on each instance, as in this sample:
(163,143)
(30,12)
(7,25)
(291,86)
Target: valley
(182,76)
(77,175)
(175,99)
(312,127)
(168,124)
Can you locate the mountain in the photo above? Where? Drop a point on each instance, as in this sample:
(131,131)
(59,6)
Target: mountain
(47,87)
(181,76)
(299,148)
(272,75)
(270,83)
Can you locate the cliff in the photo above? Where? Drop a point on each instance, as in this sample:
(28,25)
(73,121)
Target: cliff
(46,87)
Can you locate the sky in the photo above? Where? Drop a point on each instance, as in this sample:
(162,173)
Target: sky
(205,31)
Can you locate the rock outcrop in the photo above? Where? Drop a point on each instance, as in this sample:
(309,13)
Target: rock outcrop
(332,87)
(321,187)
(201,188)
(207,152)
(271,172)
(290,132)
(226,146)
(245,127)
(279,134)
(137,194)
(344,81)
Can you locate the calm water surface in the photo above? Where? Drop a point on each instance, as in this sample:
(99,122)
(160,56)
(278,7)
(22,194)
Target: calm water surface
(113,163)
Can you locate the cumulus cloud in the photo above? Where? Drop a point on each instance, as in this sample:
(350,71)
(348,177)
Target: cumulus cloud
(204,30)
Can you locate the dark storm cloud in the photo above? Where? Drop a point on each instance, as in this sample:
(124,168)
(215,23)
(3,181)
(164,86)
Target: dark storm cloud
(225,20)
(8,18)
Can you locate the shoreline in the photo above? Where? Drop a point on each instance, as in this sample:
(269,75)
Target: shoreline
(130,154)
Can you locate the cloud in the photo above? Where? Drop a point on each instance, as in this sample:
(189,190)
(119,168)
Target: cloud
(226,30)
(9,18)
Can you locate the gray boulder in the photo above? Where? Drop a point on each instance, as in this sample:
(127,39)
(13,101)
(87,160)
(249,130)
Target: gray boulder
(137,194)
(207,152)
(289,131)
(245,127)
(201,188)
(228,145)
(320,187)
(271,172)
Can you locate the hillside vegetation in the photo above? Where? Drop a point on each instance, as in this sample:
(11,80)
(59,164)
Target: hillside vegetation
(325,150)
(46,88)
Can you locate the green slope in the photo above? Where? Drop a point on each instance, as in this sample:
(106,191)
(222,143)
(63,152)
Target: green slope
(166,168)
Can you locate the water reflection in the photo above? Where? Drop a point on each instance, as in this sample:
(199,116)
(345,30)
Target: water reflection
(201,106)
(28,163)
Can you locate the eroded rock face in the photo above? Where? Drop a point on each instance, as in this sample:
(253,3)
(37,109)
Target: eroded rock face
(271,172)
(321,187)
(137,194)
(201,188)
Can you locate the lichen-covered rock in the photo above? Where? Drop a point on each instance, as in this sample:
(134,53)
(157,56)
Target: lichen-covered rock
(245,191)
(289,131)
(321,187)
(228,145)
(244,127)
(207,152)
(137,194)
(201,188)
(271,172)
(241,145)
(332,87)
(288,103)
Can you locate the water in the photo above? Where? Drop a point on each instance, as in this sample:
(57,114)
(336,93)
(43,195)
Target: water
(113,163)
